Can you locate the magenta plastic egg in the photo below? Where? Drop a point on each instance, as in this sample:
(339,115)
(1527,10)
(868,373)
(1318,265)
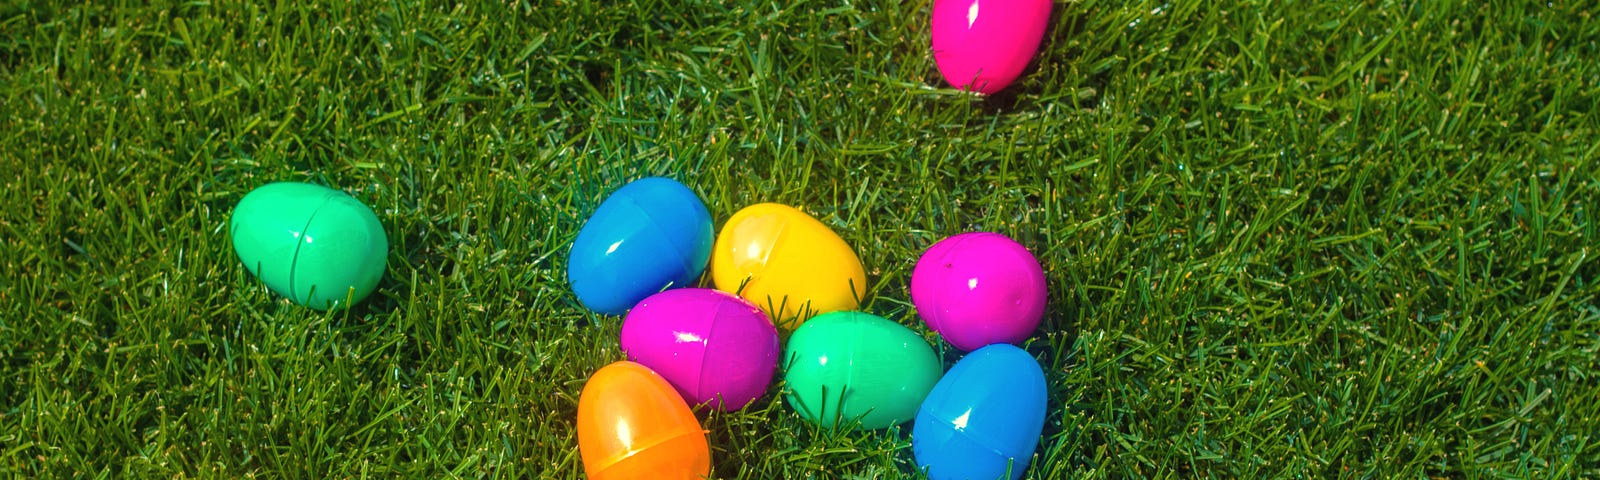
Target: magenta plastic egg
(983,45)
(979,288)
(712,346)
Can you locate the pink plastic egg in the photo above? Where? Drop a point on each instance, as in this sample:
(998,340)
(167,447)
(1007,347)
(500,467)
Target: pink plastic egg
(712,346)
(983,45)
(979,288)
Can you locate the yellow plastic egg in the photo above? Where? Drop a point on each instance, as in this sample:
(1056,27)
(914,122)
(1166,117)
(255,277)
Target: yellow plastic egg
(786,262)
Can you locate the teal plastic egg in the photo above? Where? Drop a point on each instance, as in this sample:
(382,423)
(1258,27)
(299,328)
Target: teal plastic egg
(843,367)
(314,245)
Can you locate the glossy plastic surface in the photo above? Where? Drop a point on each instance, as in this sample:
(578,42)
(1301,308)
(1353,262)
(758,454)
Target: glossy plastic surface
(844,366)
(650,234)
(788,263)
(983,418)
(979,288)
(314,245)
(983,45)
(632,425)
(712,346)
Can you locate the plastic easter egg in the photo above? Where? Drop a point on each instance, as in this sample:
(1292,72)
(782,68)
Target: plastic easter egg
(314,245)
(979,288)
(787,263)
(632,425)
(651,234)
(983,45)
(846,366)
(712,346)
(983,418)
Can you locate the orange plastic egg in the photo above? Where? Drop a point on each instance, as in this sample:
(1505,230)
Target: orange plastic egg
(632,424)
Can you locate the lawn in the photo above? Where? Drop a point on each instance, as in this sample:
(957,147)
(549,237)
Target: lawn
(1312,239)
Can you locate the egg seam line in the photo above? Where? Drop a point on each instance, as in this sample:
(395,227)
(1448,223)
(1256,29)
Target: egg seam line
(963,433)
(294,261)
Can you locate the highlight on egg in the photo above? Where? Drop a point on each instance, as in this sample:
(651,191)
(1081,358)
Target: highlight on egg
(316,246)
(984,45)
(713,347)
(651,234)
(787,263)
(632,425)
(983,419)
(979,288)
(844,367)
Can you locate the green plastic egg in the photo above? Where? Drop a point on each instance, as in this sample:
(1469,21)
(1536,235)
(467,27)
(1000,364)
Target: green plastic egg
(852,366)
(312,244)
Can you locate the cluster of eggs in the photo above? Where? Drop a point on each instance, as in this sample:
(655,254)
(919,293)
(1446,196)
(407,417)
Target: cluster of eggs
(981,292)
(641,253)
(644,249)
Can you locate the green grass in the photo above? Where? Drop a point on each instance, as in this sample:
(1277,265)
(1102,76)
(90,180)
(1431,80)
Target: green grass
(1306,239)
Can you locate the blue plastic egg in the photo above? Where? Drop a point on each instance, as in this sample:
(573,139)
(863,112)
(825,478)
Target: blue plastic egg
(982,420)
(649,235)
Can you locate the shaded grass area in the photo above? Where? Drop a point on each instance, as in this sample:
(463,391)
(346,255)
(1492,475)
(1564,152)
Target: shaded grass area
(1318,239)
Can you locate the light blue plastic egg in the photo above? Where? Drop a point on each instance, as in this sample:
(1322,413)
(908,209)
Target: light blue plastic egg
(982,420)
(651,234)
